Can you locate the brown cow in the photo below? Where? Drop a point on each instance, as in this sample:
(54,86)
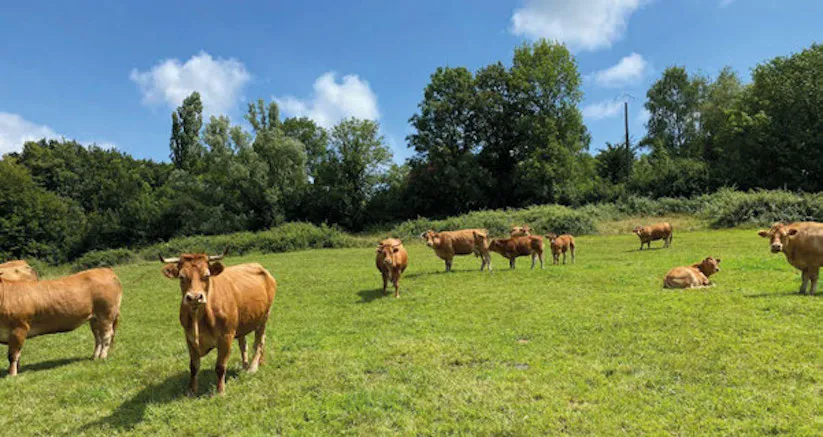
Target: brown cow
(561,244)
(658,231)
(447,244)
(511,248)
(218,305)
(802,243)
(391,260)
(693,276)
(520,231)
(29,309)
(17,270)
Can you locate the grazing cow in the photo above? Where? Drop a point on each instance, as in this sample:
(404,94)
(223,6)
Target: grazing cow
(447,244)
(802,243)
(693,276)
(561,244)
(658,231)
(218,305)
(29,309)
(17,270)
(520,231)
(511,248)
(391,260)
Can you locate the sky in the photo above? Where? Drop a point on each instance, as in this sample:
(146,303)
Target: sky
(110,73)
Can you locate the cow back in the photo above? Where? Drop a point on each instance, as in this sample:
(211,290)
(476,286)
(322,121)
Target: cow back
(242,296)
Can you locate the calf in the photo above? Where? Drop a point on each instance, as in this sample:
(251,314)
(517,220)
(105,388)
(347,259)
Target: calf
(561,244)
(693,276)
(520,231)
(511,248)
(802,243)
(448,244)
(659,231)
(219,304)
(29,309)
(391,260)
(17,270)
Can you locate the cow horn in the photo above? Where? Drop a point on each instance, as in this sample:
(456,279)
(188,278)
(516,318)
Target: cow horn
(167,260)
(221,256)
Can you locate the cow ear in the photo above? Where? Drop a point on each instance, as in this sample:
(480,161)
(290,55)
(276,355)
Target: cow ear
(763,234)
(793,232)
(216,268)
(717,260)
(171,271)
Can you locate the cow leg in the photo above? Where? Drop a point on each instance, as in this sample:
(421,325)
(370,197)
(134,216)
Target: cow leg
(564,257)
(395,279)
(511,262)
(98,340)
(385,280)
(16,339)
(804,274)
(813,274)
(489,261)
(194,367)
(244,355)
(534,259)
(106,338)
(540,256)
(259,346)
(223,352)
(449,265)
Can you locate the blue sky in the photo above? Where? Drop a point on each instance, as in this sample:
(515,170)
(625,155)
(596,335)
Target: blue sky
(111,72)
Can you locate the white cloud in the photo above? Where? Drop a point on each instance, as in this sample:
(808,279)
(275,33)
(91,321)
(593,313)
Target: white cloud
(15,130)
(581,24)
(643,116)
(629,70)
(604,109)
(219,82)
(333,101)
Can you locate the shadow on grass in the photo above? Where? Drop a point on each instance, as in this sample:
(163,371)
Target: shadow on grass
(442,272)
(130,413)
(794,293)
(43,365)
(367,296)
(647,249)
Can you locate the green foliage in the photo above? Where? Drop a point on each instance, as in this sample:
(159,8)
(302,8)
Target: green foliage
(729,208)
(674,113)
(615,162)
(104,258)
(185,133)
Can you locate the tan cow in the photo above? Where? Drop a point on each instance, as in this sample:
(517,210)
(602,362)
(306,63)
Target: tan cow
(17,270)
(391,260)
(520,231)
(511,248)
(561,244)
(448,244)
(219,304)
(29,309)
(802,243)
(693,276)
(658,231)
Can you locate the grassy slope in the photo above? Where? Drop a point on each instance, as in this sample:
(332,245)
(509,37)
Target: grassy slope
(597,347)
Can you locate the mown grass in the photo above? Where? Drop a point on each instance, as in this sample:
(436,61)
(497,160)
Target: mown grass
(593,348)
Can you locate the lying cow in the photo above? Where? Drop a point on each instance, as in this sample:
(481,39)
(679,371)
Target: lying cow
(520,231)
(448,244)
(659,231)
(511,248)
(561,244)
(218,305)
(29,309)
(391,260)
(693,276)
(802,243)
(17,270)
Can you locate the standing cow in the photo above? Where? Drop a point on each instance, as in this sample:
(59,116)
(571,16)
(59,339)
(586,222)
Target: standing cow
(520,231)
(693,276)
(17,270)
(391,260)
(659,231)
(802,243)
(218,305)
(448,244)
(29,309)
(511,248)
(561,244)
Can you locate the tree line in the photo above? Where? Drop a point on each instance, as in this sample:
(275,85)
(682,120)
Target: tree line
(499,137)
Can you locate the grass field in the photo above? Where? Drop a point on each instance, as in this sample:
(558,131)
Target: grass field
(594,348)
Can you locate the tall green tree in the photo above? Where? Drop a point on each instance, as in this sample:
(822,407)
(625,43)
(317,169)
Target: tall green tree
(314,138)
(186,122)
(674,102)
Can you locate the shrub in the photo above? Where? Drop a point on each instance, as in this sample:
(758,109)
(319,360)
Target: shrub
(728,208)
(104,258)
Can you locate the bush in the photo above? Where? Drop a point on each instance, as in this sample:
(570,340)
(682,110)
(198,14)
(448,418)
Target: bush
(104,258)
(728,208)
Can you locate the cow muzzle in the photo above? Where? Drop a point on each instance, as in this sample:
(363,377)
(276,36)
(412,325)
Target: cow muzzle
(195,299)
(777,248)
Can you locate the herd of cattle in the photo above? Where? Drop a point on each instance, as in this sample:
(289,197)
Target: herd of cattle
(220,304)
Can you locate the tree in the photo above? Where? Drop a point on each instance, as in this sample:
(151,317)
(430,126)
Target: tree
(313,137)
(674,103)
(185,133)
(614,163)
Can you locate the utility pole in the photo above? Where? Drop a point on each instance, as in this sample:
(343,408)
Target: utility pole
(628,146)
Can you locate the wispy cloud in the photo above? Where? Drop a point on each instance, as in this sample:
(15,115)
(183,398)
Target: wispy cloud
(333,101)
(630,70)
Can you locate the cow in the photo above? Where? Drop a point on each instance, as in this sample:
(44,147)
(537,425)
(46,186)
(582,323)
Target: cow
(391,260)
(693,276)
(511,248)
(17,270)
(520,231)
(219,304)
(561,244)
(802,243)
(658,231)
(448,244)
(32,308)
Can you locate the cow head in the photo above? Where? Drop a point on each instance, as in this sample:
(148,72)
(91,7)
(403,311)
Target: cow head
(552,237)
(637,230)
(709,266)
(498,245)
(432,238)
(481,240)
(193,270)
(520,231)
(387,249)
(778,236)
